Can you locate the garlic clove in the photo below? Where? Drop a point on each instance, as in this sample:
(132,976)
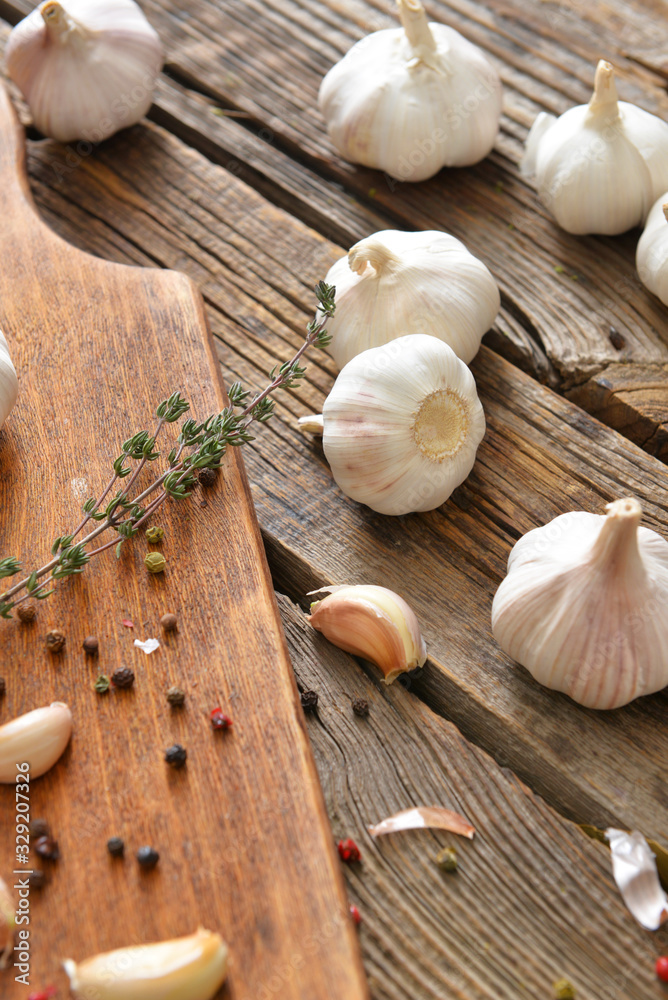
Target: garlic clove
(637,878)
(7,924)
(9,383)
(424,818)
(402,425)
(599,167)
(86,68)
(374,623)
(188,968)
(395,101)
(424,282)
(541,125)
(583,606)
(37,738)
(652,252)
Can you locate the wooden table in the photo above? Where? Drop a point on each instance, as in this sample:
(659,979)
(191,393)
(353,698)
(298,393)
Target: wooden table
(234,181)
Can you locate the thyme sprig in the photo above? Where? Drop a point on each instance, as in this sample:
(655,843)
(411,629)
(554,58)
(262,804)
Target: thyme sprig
(200,445)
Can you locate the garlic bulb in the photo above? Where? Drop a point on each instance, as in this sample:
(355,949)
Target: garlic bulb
(652,252)
(87,68)
(37,738)
(411,100)
(9,384)
(600,166)
(425,282)
(402,425)
(372,622)
(188,968)
(585,606)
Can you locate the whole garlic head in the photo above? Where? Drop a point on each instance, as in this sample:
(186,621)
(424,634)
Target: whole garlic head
(585,606)
(411,100)
(600,166)
(86,68)
(425,282)
(9,383)
(652,252)
(402,425)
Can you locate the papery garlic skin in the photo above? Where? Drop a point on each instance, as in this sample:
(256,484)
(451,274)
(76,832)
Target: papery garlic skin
(411,100)
(652,252)
(86,68)
(635,872)
(9,383)
(188,968)
(600,166)
(402,425)
(37,738)
(374,623)
(584,606)
(7,924)
(425,282)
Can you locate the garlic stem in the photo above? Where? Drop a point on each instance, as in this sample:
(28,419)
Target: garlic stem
(373,252)
(604,97)
(414,21)
(441,424)
(616,547)
(312,424)
(56,19)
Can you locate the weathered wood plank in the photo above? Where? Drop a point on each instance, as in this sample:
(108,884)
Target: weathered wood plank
(542,456)
(533,900)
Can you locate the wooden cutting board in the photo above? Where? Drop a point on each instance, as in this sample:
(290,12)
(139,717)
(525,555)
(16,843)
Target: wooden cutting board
(244,841)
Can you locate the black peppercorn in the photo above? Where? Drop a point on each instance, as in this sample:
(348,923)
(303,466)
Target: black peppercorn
(90,645)
(360,707)
(176,755)
(207,477)
(309,701)
(176,697)
(147,857)
(123,677)
(116,847)
(169,622)
(36,878)
(3,687)
(39,828)
(47,848)
(26,612)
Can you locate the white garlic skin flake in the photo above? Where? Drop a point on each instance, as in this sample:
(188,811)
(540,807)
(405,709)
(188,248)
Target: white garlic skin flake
(584,606)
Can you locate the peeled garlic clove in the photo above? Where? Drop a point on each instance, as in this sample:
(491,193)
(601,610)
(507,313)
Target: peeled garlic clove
(37,738)
(600,166)
(374,623)
(652,252)
(188,968)
(584,606)
(637,878)
(7,924)
(412,100)
(9,383)
(402,425)
(86,68)
(425,282)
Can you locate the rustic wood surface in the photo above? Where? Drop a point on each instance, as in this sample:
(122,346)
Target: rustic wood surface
(558,325)
(186,200)
(532,900)
(96,346)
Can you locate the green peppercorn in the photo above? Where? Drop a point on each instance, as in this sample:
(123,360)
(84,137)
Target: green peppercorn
(447,859)
(154,534)
(155,562)
(102,684)
(563,990)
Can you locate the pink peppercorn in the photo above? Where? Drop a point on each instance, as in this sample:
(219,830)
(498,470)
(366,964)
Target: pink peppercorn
(349,851)
(219,720)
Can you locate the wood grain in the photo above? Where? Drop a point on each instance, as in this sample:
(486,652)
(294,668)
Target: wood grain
(542,456)
(245,844)
(533,900)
